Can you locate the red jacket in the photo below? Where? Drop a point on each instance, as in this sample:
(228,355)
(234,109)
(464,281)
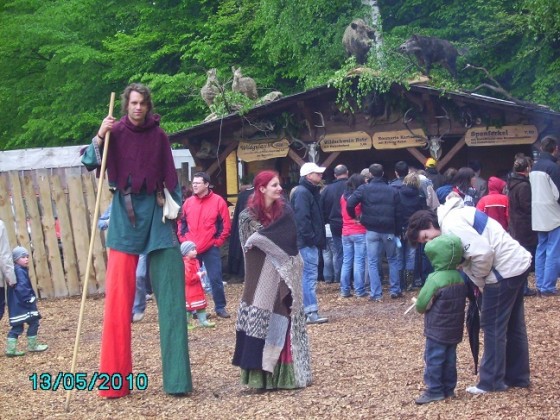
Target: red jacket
(194,293)
(349,225)
(495,204)
(205,221)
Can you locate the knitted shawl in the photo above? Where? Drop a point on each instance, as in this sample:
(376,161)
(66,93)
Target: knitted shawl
(272,301)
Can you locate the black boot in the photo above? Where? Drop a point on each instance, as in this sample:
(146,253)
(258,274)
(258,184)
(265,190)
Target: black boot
(409,277)
(417,283)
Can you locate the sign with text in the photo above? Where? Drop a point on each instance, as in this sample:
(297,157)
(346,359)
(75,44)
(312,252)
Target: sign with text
(250,152)
(400,139)
(342,142)
(506,135)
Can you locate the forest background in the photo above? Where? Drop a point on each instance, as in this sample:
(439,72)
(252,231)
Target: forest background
(60,59)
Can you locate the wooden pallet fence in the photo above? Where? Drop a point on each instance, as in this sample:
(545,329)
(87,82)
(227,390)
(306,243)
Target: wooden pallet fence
(34,205)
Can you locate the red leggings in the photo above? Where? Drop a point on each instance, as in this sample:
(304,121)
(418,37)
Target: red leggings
(116,352)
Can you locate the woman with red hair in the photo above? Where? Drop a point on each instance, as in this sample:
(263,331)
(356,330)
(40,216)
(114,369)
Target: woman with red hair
(271,347)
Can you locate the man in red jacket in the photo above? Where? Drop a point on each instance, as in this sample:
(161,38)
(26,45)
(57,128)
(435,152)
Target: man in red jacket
(205,221)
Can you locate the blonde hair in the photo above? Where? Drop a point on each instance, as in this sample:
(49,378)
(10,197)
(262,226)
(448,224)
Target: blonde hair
(412,179)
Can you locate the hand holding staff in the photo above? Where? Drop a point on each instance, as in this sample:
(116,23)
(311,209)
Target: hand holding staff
(106,125)
(413,299)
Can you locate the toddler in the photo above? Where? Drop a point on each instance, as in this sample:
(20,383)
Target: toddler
(442,299)
(22,307)
(194,292)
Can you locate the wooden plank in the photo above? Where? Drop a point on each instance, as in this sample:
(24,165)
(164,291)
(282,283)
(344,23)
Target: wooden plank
(66,237)
(40,256)
(22,234)
(330,159)
(6,212)
(217,163)
(106,194)
(98,251)
(417,154)
(79,220)
(49,231)
(451,154)
(295,157)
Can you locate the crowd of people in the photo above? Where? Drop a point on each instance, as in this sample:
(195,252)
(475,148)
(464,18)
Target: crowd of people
(437,232)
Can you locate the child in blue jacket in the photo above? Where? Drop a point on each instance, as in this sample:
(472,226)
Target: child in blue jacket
(22,307)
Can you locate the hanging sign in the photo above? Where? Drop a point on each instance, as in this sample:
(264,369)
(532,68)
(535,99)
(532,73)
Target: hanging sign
(250,152)
(342,142)
(400,139)
(506,135)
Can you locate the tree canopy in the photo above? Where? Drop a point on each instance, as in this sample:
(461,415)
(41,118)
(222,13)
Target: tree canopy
(60,59)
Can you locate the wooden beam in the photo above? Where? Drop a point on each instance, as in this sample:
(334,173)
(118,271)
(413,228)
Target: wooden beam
(295,157)
(217,163)
(330,159)
(417,154)
(451,154)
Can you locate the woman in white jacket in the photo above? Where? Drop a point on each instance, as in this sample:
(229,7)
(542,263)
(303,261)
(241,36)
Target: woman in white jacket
(498,265)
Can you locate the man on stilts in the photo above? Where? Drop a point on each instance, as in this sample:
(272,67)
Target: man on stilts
(139,166)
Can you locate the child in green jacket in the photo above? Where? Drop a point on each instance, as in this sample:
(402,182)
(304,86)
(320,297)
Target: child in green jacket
(442,299)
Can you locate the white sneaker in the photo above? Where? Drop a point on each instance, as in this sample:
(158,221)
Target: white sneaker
(475,391)
(148,297)
(138,317)
(315,318)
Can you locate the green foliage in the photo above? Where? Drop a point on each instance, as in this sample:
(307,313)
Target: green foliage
(62,58)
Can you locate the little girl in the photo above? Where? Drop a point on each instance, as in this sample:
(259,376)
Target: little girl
(22,307)
(194,293)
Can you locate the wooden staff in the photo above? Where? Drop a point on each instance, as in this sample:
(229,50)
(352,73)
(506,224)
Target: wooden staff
(91,244)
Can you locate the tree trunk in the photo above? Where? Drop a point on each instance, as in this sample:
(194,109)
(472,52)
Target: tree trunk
(376,21)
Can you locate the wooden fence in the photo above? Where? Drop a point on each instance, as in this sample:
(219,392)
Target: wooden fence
(49,212)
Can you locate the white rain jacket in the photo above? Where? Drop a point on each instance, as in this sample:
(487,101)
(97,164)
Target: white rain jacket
(490,256)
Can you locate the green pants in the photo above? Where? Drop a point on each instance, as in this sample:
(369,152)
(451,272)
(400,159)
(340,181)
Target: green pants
(167,272)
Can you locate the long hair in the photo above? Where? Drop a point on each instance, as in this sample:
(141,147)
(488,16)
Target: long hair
(256,200)
(353,183)
(142,90)
(462,179)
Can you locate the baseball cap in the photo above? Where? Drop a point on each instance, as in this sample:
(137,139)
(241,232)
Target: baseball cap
(309,168)
(431,163)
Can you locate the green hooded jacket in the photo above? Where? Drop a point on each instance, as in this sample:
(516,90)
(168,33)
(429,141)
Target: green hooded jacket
(445,253)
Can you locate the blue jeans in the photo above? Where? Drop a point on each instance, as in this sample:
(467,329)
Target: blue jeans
(505,361)
(310,256)
(2,301)
(354,251)
(406,256)
(213,262)
(440,370)
(374,241)
(141,278)
(547,260)
(328,260)
(337,256)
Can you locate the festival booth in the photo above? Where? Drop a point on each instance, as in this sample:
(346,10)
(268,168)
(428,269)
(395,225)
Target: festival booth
(406,123)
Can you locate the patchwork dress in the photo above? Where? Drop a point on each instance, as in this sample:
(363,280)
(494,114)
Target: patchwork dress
(272,347)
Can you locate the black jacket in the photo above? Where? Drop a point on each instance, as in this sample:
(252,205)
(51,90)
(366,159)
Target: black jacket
(381,211)
(330,202)
(305,201)
(444,322)
(519,195)
(411,200)
(437,179)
